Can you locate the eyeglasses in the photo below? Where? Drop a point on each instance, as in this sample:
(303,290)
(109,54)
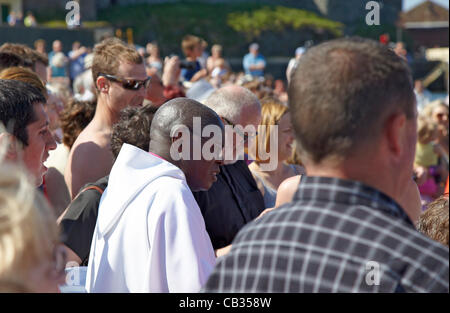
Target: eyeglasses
(130,84)
(244,136)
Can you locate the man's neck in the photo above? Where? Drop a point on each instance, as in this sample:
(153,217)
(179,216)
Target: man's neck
(365,172)
(104,117)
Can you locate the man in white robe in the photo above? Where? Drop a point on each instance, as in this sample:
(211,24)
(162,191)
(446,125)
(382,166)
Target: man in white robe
(150,235)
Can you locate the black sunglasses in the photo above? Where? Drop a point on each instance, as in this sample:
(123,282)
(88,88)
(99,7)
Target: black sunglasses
(131,84)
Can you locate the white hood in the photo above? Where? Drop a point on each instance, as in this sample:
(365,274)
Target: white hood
(133,170)
(150,234)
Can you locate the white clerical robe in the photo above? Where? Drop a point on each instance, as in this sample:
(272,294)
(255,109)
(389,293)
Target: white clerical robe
(150,235)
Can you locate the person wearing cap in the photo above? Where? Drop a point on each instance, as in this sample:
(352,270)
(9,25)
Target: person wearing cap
(254,62)
(294,62)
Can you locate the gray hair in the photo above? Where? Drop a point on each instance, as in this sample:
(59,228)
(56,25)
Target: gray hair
(231,101)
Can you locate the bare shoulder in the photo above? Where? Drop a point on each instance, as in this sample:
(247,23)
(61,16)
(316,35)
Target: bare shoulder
(287,189)
(91,151)
(101,138)
(90,159)
(290,184)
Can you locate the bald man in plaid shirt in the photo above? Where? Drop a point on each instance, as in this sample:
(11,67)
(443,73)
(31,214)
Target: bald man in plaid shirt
(349,228)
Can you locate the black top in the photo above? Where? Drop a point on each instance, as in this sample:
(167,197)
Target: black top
(232,201)
(78,224)
(336,236)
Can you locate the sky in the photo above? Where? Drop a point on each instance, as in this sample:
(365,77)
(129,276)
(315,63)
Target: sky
(409,4)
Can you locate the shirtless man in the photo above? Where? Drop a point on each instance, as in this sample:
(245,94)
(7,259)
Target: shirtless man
(121,81)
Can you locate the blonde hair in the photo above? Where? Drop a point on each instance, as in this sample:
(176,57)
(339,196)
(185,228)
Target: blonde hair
(295,156)
(24,75)
(28,230)
(109,53)
(272,111)
(426,128)
(430,107)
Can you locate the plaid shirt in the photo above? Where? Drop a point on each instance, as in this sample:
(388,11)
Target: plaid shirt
(336,236)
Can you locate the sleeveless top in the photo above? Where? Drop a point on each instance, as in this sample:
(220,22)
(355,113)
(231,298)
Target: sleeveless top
(270,194)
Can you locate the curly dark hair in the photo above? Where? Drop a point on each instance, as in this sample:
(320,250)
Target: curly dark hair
(133,128)
(435,220)
(74,118)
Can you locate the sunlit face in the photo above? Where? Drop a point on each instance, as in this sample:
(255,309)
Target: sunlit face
(154,50)
(198,50)
(119,97)
(285,137)
(248,119)
(40,142)
(57,46)
(216,52)
(201,174)
(440,115)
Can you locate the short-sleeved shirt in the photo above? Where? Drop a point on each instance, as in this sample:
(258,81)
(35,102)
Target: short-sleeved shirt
(250,59)
(78,224)
(335,236)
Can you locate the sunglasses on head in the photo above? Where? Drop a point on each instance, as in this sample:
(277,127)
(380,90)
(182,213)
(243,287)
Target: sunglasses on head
(131,84)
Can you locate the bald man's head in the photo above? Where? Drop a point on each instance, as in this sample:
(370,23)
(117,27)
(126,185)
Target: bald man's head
(181,111)
(183,131)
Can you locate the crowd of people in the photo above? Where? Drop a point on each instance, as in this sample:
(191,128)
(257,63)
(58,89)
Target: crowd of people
(343,167)
(17,19)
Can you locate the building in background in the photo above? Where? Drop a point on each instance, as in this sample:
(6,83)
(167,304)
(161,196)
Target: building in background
(427,24)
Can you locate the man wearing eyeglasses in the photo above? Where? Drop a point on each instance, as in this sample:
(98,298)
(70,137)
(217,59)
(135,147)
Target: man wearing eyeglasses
(121,81)
(234,200)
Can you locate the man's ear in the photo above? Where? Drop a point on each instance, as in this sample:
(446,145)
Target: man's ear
(102,84)
(8,146)
(396,133)
(176,138)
